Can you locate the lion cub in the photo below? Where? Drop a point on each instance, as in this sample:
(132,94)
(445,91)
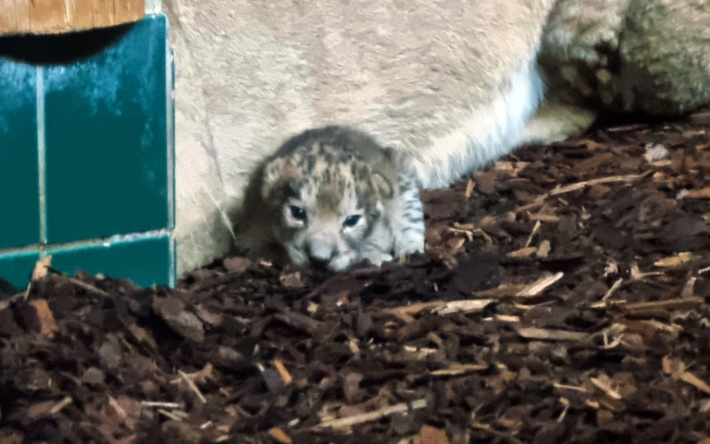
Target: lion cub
(332,197)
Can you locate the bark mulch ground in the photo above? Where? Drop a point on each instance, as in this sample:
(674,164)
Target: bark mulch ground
(563,298)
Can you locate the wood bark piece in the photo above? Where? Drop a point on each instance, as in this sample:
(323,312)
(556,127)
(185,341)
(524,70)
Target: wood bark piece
(551,335)
(540,285)
(46,318)
(401,408)
(589,343)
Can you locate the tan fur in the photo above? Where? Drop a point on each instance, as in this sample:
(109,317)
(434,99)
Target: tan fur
(427,77)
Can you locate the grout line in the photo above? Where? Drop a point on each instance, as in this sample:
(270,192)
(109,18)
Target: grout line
(134,236)
(41,160)
(172,279)
(20,250)
(170,124)
(106,241)
(170,111)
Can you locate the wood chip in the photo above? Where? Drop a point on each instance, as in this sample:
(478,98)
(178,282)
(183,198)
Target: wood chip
(117,409)
(467,306)
(279,435)
(299,321)
(605,386)
(502,291)
(693,380)
(60,405)
(674,261)
(193,387)
(281,368)
(544,249)
(236,264)
(613,288)
(580,185)
(534,231)
(523,252)
(460,369)
(414,309)
(432,435)
(676,368)
(470,186)
(172,415)
(160,404)
(401,408)
(703,193)
(541,217)
(143,336)
(668,305)
(46,318)
(41,268)
(551,334)
(88,287)
(176,315)
(540,285)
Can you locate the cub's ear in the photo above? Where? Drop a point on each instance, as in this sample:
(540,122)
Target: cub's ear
(276,172)
(382,185)
(373,181)
(396,156)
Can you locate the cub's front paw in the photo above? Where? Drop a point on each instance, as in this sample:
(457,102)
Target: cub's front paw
(376,257)
(410,242)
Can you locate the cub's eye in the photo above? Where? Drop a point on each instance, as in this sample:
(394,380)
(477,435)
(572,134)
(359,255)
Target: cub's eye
(298,213)
(352,220)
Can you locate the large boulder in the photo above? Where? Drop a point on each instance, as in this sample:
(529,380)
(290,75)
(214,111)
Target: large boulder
(649,56)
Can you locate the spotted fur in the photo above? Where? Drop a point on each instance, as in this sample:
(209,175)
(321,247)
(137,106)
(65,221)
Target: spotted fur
(333,197)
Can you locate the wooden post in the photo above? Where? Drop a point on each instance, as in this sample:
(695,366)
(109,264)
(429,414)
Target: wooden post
(58,16)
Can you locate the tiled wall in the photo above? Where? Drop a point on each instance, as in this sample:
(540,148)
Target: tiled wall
(86,159)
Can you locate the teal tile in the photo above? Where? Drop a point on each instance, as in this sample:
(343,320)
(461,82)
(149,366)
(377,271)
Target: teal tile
(17,268)
(19,184)
(144,261)
(107,168)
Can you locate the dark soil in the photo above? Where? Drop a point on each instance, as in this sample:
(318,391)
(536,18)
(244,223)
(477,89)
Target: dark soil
(563,298)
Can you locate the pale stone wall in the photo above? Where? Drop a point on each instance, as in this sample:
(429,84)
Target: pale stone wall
(251,73)
(152,6)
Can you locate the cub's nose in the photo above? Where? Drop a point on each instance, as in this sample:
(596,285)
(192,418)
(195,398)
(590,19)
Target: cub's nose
(319,254)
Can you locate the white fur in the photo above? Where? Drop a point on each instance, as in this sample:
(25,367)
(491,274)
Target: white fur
(491,131)
(555,121)
(408,222)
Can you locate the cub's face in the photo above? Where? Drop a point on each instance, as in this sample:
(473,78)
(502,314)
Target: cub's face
(327,210)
